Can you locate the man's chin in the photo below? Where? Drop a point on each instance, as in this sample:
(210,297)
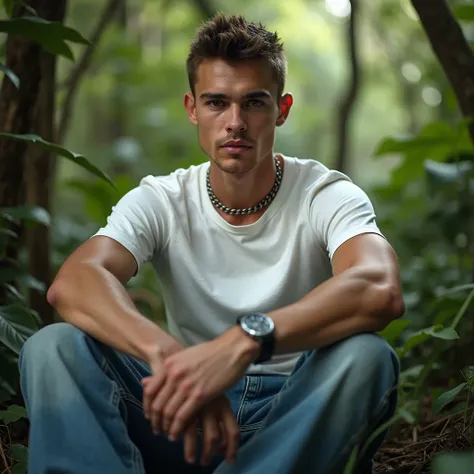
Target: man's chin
(233,164)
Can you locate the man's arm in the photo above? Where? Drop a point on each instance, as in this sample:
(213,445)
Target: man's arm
(89,293)
(364,295)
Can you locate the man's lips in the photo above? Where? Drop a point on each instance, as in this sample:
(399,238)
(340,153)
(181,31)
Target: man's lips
(236,144)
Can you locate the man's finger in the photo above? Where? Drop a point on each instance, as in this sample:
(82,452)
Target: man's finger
(232,434)
(151,386)
(157,406)
(171,408)
(187,410)
(211,435)
(190,443)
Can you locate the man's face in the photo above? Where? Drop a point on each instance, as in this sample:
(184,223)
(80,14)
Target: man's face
(236,110)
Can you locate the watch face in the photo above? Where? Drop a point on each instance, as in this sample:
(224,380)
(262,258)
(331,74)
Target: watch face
(257,324)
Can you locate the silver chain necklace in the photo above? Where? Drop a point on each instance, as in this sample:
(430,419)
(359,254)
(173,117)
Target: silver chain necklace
(248,210)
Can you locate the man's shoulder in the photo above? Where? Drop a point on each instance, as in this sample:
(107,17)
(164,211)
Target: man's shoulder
(177,181)
(312,174)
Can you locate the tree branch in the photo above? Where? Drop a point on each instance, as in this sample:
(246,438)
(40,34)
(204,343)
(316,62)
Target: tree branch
(82,65)
(452,50)
(350,96)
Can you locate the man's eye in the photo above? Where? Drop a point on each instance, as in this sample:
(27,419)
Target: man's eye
(255,104)
(215,104)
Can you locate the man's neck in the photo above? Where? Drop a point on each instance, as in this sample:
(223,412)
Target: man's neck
(244,190)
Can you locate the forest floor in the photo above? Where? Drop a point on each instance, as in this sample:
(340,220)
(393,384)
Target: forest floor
(411,449)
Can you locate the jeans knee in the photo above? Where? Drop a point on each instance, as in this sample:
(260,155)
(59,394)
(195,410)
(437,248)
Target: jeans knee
(43,346)
(369,355)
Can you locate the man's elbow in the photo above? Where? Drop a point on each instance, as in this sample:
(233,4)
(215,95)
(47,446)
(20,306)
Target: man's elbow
(52,294)
(387,305)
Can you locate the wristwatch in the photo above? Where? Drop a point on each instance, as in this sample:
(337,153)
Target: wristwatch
(261,328)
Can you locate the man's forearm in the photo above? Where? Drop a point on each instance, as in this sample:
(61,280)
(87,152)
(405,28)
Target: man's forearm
(92,299)
(355,301)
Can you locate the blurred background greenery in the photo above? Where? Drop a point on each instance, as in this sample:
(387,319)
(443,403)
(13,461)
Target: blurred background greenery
(362,73)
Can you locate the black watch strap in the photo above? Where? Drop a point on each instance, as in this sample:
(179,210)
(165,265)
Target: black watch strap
(267,347)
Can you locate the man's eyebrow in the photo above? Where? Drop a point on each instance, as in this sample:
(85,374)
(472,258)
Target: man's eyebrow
(212,96)
(251,95)
(258,95)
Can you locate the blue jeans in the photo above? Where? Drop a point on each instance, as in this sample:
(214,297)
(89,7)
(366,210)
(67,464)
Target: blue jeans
(84,401)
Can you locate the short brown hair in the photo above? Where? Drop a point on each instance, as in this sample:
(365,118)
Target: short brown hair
(234,38)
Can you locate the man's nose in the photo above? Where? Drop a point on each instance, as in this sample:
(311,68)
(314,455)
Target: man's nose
(235,120)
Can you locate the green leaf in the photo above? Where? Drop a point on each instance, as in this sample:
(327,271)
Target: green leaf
(13,413)
(447,173)
(75,157)
(411,372)
(393,331)
(19,452)
(4,396)
(447,397)
(400,145)
(447,334)
(464,12)
(28,213)
(456,289)
(11,75)
(406,415)
(20,468)
(463,310)
(33,283)
(8,5)
(10,274)
(413,340)
(17,324)
(51,35)
(435,141)
(8,232)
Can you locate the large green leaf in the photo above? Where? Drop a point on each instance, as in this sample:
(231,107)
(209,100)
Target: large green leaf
(419,337)
(81,160)
(51,35)
(394,330)
(464,12)
(16,325)
(19,452)
(11,75)
(13,413)
(447,397)
(448,334)
(434,141)
(8,274)
(28,213)
(447,173)
(8,5)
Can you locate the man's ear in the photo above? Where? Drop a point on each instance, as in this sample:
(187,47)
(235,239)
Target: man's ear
(286,102)
(190,106)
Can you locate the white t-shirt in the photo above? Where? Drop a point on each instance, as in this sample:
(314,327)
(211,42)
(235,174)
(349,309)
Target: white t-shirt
(211,271)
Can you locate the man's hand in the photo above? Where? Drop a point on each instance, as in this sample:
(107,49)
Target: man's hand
(220,432)
(155,381)
(189,379)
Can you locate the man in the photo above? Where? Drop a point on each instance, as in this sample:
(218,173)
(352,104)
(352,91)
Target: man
(275,277)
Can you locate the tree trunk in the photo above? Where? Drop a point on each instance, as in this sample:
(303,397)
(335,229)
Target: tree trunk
(349,98)
(40,167)
(117,123)
(17,107)
(452,50)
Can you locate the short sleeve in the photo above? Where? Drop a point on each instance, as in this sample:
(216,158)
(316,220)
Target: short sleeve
(140,221)
(340,210)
